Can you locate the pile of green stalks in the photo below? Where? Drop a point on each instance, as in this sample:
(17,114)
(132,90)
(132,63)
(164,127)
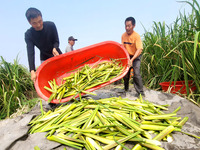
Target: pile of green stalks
(109,123)
(84,79)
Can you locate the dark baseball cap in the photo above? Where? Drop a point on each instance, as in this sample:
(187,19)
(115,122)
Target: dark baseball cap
(71,38)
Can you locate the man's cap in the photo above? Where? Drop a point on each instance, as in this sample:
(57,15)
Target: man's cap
(71,38)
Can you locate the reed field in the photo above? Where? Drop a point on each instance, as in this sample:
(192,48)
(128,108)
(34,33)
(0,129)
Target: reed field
(172,52)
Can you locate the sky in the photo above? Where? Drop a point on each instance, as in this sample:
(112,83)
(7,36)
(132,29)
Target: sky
(90,21)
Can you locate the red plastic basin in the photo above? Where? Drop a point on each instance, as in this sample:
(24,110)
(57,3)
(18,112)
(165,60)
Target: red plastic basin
(178,87)
(63,65)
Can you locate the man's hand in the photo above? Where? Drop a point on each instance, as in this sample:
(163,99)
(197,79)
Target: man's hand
(55,52)
(129,63)
(33,75)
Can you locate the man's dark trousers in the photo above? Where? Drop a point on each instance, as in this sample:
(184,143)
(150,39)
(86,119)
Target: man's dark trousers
(137,79)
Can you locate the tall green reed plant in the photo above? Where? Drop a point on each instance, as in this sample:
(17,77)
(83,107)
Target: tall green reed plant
(15,89)
(171,53)
(192,53)
(155,67)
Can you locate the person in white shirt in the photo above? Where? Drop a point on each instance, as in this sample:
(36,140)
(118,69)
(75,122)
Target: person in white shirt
(71,42)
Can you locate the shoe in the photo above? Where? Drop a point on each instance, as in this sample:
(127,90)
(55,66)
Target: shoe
(143,95)
(52,105)
(126,89)
(138,95)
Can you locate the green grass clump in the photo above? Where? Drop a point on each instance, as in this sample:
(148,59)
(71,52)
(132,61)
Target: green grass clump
(16,88)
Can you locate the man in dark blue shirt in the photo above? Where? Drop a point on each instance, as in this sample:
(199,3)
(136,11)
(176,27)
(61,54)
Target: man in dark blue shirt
(43,35)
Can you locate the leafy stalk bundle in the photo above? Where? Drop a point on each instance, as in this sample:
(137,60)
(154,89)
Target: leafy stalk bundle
(108,123)
(85,78)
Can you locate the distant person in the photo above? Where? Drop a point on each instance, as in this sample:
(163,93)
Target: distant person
(71,42)
(43,35)
(133,44)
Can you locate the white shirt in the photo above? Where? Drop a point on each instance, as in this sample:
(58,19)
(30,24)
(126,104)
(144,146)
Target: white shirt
(69,48)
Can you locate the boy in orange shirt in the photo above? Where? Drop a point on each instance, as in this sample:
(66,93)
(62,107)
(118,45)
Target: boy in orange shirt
(132,42)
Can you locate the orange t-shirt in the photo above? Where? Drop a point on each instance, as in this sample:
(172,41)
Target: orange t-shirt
(132,42)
